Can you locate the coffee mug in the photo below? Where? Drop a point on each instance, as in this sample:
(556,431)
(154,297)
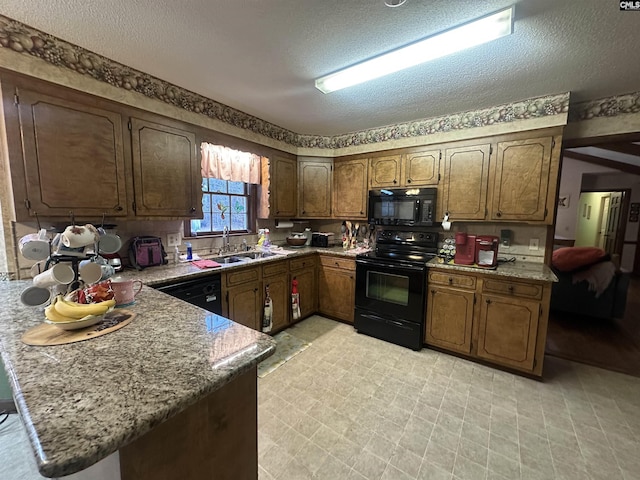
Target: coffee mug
(124,291)
(35,246)
(59,273)
(76,236)
(90,272)
(109,243)
(35,296)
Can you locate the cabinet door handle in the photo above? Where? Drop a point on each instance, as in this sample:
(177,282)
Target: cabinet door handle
(510,288)
(450,280)
(277,212)
(192,209)
(433,291)
(394,181)
(361,212)
(498,214)
(337,264)
(408,180)
(304,212)
(488,301)
(118,208)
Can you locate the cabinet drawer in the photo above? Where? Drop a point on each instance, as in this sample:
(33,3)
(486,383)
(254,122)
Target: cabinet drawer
(528,290)
(237,277)
(336,262)
(300,263)
(452,279)
(274,268)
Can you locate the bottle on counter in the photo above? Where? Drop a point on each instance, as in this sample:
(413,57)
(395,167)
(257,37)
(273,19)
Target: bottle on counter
(267,241)
(189,251)
(308,235)
(176,256)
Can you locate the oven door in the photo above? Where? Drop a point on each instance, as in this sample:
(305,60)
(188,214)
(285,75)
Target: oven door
(391,289)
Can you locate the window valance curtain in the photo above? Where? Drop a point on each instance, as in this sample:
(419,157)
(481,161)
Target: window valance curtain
(228,164)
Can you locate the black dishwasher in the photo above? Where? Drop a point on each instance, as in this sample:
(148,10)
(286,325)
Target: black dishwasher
(204,292)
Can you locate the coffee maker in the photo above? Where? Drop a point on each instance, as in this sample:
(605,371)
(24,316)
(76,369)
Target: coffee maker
(487,251)
(465,249)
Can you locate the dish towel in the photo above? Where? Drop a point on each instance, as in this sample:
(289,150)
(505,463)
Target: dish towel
(205,264)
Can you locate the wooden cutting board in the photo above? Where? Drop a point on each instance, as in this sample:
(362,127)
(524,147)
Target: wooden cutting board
(46,334)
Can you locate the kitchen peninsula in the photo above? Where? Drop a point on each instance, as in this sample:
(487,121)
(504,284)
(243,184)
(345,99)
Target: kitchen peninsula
(174,392)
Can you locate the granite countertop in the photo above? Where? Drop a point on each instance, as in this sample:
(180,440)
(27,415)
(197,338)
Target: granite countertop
(524,270)
(81,402)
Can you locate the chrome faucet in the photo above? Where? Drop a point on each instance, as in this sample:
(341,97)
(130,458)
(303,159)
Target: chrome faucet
(225,239)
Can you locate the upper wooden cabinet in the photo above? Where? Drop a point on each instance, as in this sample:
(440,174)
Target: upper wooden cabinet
(521,180)
(166,171)
(413,168)
(466,176)
(314,188)
(350,191)
(385,171)
(421,168)
(73,156)
(278,197)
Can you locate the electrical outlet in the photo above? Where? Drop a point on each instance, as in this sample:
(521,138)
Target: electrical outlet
(173,239)
(533,244)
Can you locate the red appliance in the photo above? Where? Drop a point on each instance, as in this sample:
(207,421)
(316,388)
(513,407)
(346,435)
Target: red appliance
(465,249)
(487,251)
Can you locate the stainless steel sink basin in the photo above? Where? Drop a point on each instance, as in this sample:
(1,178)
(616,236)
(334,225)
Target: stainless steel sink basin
(256,255)
(223,260)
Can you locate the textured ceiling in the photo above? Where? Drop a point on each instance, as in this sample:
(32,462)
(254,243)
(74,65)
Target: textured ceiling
(261,56)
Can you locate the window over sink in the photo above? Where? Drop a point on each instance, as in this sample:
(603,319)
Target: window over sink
(224,204)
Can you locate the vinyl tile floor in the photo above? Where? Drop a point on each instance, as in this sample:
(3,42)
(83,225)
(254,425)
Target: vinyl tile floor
(353,407)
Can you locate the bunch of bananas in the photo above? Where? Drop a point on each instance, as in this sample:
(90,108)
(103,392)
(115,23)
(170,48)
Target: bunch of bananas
(62,310)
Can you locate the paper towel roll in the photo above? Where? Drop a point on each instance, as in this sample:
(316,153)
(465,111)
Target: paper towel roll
(284,224)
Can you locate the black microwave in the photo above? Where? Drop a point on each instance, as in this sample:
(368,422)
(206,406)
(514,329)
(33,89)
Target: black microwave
(415,207)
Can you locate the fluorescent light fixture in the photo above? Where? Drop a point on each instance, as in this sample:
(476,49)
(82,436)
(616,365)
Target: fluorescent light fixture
(467,35)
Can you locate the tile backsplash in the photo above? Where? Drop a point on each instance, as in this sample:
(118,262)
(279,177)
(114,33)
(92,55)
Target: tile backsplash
(521,235)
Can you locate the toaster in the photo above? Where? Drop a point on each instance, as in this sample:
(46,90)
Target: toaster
(320,239)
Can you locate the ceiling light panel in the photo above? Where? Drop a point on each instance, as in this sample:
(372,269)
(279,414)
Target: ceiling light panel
(470,34)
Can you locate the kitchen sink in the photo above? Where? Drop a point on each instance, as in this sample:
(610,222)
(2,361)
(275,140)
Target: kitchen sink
(223,260)
(256,255)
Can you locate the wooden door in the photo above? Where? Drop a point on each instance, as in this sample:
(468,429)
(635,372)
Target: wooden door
(521,180)
(466,175)
(385,171)
(336,293)
(245,304)
(166,171)
(283,191)
(314,195)
(449,318)
(421,168)
(611,244)
(507,331)
(350,193)
(73,157)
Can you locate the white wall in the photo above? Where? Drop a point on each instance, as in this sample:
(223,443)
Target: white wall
(613,181)
(570,184)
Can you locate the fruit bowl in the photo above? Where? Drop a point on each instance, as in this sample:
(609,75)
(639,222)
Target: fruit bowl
(74,324)
(296,241)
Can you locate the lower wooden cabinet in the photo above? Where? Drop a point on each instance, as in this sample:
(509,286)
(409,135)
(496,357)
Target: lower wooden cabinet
(508,330)
(275,276)
(336,287)
(449,318)
(494,319)
(303,269)
(243,300)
